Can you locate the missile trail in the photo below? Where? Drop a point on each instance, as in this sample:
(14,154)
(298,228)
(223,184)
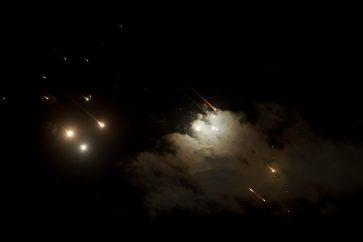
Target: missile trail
(191,99)
(205,100)
(86,98)
(80,106)
(257,195)
(272,169)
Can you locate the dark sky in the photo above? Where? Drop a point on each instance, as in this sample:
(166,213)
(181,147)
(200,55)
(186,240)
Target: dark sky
(139,64)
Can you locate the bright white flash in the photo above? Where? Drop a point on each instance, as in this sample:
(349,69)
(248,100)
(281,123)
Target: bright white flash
(101,124)
(69,133)
(83,147)
(272,169)
(209,127)
(87,98)
(214,128)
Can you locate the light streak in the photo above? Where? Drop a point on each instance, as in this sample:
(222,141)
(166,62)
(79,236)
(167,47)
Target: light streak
(272,169)
(205,100)
(257,195)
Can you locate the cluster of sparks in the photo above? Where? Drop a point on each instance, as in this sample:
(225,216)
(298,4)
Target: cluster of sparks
(274,172)
(201,127)
(208,128)
(70,133)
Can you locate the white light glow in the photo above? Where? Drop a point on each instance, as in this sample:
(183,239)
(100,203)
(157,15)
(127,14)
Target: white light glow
(69,133)
(83,147)
(272,169)
(214,128)
(101,124)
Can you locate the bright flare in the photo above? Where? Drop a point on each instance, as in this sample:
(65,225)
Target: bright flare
(69,133)
(214,128)
(83,147)
(197,128)
(87,98)
(101,124)
(272,169)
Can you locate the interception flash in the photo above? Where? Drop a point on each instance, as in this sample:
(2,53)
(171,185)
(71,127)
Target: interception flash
(83,147)
(101,124)
(69,133)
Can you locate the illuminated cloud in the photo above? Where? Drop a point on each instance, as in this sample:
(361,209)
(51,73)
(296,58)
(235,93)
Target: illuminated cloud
(214,166)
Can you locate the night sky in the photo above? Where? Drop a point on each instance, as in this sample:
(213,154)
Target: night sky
(214,120)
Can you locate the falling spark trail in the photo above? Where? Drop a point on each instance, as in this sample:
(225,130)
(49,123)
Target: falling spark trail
(86,98)
(205,100)
(191,99)
(80,106)
(257,195)
(272,169)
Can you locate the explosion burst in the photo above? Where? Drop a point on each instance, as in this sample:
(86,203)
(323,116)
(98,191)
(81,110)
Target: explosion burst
(69,133)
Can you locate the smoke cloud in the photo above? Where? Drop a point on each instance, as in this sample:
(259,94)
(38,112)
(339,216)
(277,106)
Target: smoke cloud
(212,167)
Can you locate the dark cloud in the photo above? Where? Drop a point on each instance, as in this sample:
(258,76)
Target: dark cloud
(211,167)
